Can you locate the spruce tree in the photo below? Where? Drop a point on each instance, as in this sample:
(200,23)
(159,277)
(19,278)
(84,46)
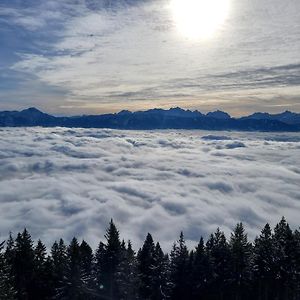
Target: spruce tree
(240,263)
(111,261)
(160,274)
(73,282)
(23,266)
(99,258)
(297,264)
(41,288)
(9,260)
(7,290)
(127,273)
(218,253)
(87,269)
(179,271)
(145,268)
(201,272)
(285,256)
(59,266)
(263,264)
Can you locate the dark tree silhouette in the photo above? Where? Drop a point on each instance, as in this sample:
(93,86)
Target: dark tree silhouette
(7,290)
(240,262)
(179,269)
(264,264)
(268,269)
(146,263)
(23,266)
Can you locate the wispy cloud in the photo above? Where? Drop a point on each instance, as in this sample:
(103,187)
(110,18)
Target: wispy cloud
(105,53)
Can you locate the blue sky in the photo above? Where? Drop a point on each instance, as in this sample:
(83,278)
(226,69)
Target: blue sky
(87,56)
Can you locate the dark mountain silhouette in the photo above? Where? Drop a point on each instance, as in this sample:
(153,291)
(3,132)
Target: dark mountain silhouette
(218,115)
(27,117)
(286,117)
(173,118)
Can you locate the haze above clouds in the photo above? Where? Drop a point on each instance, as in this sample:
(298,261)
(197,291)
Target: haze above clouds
(61,182)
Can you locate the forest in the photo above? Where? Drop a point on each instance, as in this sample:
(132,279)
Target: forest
(217,269)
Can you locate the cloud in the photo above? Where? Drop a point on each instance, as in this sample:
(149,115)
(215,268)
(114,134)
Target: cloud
(103,56)
(65,182)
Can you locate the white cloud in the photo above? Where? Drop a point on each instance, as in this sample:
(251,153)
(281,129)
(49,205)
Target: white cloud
(105,56)
(62,182)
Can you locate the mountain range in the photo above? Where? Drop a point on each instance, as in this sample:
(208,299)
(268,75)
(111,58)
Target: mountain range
(173,118)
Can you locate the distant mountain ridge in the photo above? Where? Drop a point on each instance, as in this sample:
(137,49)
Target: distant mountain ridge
(286,117)
(173,118)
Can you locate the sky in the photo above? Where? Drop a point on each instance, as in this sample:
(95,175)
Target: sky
(98,56)
(60,182)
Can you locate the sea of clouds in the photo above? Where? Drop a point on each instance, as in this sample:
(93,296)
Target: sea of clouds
(61,182)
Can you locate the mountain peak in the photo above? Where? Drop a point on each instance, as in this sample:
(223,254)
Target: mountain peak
(32,110)
(176,109)
(218,114)
(287,112)
(124,112)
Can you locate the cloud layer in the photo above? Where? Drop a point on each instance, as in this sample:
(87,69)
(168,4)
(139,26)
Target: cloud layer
(61,182)
(98,56)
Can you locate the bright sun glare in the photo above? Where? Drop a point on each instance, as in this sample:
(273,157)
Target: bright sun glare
(199,19)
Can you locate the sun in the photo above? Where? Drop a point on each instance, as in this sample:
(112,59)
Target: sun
(199,19)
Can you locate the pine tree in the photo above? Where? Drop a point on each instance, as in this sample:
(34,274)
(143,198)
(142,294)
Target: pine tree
(99,258)
(145,268)
(179,271)
(297,264)
(240,263)
(49,279)
(59,266)
(87,266)
(284,246)
(73,286)
(110,262)
(201,272)
(23,266)
(263,264)
(127,273)
(7,290)
(160,274)
(9,259)
(42,288)
(219,256)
